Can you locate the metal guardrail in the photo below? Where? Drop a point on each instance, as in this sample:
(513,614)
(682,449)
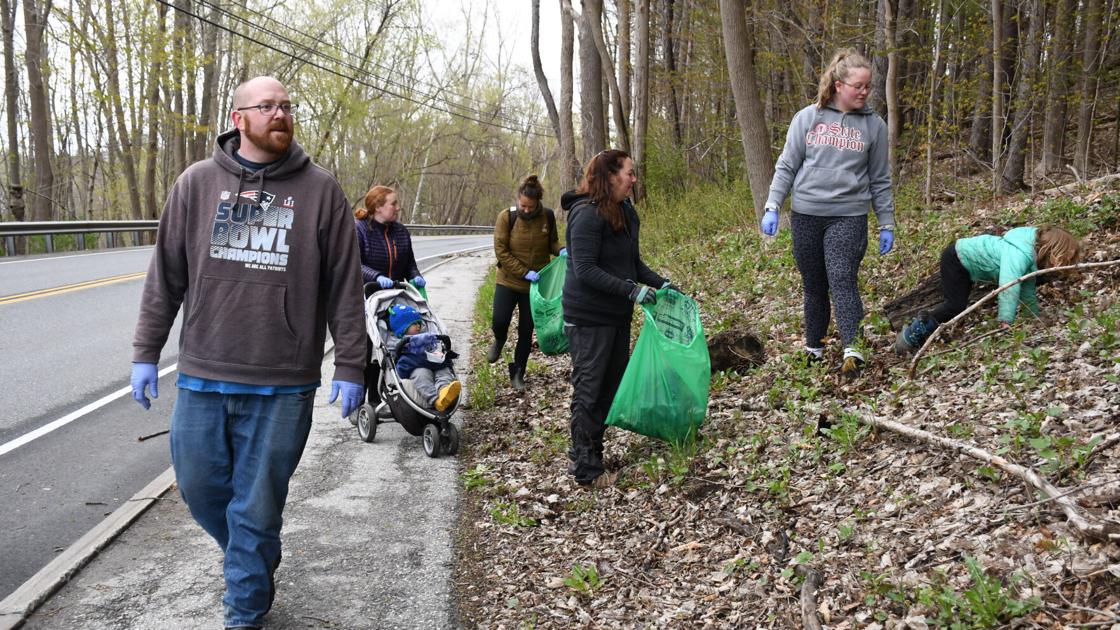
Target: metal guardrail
(11,229)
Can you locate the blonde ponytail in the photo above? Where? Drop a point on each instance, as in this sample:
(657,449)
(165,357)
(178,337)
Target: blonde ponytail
(842,63)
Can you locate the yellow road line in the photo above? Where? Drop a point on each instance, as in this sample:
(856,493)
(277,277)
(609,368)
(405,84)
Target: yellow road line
(78,286)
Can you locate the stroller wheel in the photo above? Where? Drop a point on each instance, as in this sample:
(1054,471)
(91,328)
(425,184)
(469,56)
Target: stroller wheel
(451,440)
(366,422)
(431,440)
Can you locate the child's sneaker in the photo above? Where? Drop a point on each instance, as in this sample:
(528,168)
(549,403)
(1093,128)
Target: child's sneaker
(852,365)
(448,395)
(914,334)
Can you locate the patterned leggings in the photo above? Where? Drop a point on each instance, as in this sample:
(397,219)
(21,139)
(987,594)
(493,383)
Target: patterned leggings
(828,251)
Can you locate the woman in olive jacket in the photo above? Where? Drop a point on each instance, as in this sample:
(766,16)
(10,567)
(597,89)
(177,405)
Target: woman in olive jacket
(525,237)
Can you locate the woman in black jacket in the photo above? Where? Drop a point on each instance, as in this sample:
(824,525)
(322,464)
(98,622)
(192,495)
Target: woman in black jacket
(606,277)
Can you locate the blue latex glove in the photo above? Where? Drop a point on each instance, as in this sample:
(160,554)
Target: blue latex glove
(144,375)
(532,276)
(419,282)
(563,251)
(352,395)
(770,223)
(384,282)
(886,241)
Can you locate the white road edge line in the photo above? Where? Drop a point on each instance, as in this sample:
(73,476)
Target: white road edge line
(74,415)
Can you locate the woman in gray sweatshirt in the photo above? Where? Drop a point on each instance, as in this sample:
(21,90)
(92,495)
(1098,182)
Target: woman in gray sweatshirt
(836,163)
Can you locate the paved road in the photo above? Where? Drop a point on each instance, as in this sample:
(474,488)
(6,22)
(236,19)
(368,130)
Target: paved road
(60,351)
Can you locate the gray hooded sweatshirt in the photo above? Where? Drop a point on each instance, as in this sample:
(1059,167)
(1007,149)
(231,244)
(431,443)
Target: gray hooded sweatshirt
(837,165)
(261,263)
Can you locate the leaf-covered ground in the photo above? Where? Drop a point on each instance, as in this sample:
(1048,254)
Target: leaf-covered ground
(786,478)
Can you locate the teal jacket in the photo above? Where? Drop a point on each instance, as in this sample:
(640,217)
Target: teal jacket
(1000,259)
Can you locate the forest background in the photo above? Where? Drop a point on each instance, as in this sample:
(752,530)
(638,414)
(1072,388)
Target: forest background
(107,101)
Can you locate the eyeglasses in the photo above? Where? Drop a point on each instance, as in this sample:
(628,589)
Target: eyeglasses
(268,108)
(857,88)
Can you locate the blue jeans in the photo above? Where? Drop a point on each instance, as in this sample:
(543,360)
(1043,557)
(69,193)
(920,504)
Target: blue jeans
(233,456)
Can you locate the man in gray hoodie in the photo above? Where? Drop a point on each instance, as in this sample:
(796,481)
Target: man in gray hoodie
(257,246)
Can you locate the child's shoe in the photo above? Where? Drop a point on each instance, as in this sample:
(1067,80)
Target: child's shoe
(852,365)
(914,334)
(448,395)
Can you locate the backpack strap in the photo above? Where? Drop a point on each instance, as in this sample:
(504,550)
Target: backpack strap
(512,217)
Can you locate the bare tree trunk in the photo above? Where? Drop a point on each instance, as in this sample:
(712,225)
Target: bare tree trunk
(571,166)
(538,69)
(1054,120)
(11,100)
(1090,58)
(877,100)
(207,118)
(1025,99)
(152,206)
(641,102)
(997,90)
(668,43)
(35,57)
(932,102)
(894,107)
(739,48)
(127,148)
(624,58)
(980,139)
(181,41)
(593,17)
(593,125)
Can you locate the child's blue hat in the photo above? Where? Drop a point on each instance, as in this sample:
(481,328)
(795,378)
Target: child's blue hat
(401,316)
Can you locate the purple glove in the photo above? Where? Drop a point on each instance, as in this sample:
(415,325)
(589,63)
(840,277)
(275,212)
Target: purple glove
(352,395)
(532,276)
(144,375)
(770,223)
(385,282)
(886,241)
(419,282)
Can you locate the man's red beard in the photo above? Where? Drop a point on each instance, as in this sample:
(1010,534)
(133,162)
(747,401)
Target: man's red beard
(267,139)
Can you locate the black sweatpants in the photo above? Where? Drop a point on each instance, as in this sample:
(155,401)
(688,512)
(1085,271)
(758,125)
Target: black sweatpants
(828,251)
(956,285)
(599,357)
(505,300)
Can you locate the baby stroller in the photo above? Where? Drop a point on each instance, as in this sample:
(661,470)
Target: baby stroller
(400,401)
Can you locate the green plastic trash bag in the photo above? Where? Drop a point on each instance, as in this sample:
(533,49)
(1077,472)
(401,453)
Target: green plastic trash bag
(664,391)
(548,313)
(421,290)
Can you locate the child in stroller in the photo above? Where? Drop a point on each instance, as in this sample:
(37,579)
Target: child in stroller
(409,400)
(424,358)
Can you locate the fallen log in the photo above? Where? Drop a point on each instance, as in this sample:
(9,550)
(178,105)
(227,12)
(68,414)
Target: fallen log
(1091,530)
(949,324)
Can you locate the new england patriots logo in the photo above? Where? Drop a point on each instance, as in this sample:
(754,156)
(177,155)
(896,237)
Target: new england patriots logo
(265,197)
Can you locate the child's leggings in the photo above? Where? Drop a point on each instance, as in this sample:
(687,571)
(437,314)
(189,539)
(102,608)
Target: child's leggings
(429,383)
(828,251)
(956,285)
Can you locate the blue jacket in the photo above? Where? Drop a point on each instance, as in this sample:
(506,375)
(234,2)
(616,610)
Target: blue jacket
(386,250)
(412,357)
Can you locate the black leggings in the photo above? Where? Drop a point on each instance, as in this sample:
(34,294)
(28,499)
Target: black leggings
(828,251)
(956,285)
(505,300)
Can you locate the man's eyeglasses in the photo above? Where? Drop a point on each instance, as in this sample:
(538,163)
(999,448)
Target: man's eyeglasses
(858,88)
(269,108)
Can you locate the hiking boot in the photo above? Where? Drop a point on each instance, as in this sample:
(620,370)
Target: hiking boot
(516,377)
(448,394)
(914,334)
(494,352)
(851,367)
